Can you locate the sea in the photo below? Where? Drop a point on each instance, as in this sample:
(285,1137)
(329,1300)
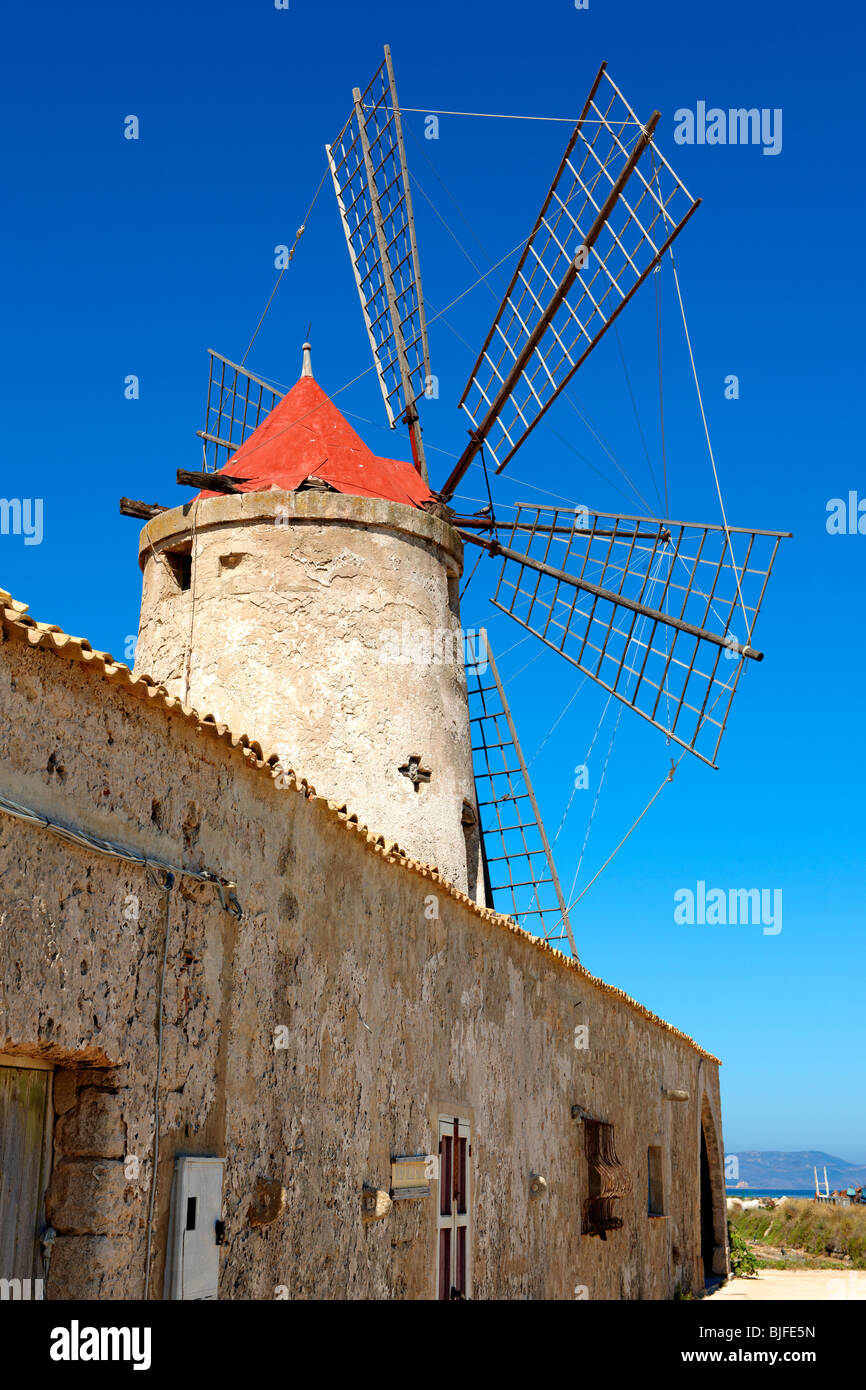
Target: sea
(770,1191)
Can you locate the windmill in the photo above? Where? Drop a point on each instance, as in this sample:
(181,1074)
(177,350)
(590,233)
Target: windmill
(645,606)
(660,613)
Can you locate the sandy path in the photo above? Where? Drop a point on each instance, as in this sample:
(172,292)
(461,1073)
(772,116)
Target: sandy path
(809,1284)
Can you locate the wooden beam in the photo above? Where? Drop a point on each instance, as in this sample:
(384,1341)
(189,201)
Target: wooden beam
(210,482)
(143,510)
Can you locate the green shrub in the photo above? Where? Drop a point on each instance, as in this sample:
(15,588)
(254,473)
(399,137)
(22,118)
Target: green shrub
(743,1262)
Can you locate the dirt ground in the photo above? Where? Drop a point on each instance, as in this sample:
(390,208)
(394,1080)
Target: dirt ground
(811,1284)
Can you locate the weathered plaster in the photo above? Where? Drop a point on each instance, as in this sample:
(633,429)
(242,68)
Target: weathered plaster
(390,1010)
(326,627)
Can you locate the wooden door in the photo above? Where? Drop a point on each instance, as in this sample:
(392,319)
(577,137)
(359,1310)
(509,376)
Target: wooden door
(25,1123)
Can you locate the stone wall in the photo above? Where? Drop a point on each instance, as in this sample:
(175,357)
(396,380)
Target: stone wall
(358,999)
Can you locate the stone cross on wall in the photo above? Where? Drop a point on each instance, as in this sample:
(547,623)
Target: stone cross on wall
(415,772)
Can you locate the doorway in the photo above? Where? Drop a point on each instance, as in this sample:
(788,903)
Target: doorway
(708,1238)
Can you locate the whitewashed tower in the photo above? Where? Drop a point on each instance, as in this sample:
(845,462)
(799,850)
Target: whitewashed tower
(316,610)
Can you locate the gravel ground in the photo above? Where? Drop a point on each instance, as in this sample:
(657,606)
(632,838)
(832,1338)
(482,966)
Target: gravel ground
(811,1284)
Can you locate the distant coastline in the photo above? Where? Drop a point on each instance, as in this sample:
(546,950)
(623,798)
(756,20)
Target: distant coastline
(752,1192)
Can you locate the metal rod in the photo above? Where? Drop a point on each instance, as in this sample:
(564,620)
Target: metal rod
(667,522)
(473,524)
(618,600)
(528,784)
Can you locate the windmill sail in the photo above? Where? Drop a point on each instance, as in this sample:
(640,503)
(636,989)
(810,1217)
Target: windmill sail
(236,403)
(613,209)
(519,867)
(371,182)
(660,613)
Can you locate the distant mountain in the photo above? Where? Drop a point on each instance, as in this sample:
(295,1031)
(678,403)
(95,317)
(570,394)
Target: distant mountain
(768,1168)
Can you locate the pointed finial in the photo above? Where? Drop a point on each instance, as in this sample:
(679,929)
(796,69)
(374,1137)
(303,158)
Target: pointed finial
(307,368)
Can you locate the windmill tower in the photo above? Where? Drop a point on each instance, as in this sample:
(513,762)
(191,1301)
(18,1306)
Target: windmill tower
(311,602)
(309,596)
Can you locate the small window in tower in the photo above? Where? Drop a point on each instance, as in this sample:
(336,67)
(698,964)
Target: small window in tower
(655,1186)
(179,564)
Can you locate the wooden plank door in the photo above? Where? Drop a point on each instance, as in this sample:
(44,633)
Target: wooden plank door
(25,1114)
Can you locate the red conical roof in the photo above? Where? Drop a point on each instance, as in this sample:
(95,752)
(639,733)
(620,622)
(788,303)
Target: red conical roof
(305,435)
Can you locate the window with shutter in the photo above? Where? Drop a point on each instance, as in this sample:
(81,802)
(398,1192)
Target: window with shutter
(608,1181)
(655,1184)
(452,1256)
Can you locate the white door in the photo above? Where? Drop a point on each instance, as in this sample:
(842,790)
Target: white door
(192,1268)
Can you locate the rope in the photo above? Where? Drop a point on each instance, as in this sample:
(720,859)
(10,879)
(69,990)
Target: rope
(504,116)
(481,554)
(598,791)
(710,448)
(557,721)
(568,444)
(661,387)
(166,886)
(461,214)
(390,361)
(657,274)
(668,778)
(454,236)
(636,414)
(298,234)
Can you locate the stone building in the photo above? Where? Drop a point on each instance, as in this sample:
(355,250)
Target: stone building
(250,1048)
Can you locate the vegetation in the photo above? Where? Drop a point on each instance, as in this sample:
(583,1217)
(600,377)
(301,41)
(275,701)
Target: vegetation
(743,1262)
(818,1229)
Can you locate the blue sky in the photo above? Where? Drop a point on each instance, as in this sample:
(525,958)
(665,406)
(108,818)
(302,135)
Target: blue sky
(132,257)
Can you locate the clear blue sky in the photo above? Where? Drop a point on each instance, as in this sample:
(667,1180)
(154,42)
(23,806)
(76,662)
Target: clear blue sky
(135,256)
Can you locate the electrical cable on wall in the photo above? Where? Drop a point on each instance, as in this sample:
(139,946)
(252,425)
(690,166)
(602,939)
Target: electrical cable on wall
(225,887)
